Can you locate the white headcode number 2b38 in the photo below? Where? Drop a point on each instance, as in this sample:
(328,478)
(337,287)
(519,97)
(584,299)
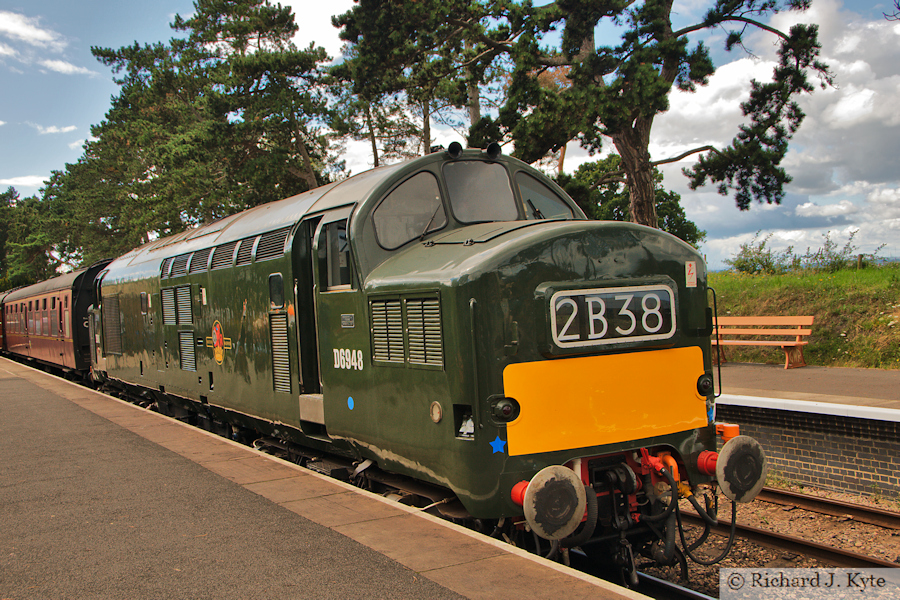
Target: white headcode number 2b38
(348,359)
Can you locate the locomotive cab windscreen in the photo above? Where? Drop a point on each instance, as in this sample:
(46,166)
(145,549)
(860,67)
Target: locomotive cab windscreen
(476,191)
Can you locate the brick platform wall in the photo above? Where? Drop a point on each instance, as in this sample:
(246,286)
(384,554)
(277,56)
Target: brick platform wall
(824,451)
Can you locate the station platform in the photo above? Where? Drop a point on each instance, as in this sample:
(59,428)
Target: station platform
(860,387)
(862,393)
(103,499)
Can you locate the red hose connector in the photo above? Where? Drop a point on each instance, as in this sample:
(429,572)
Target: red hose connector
(518,493)
(706,462)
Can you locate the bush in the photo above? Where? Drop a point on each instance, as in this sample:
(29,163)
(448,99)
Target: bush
(829,259)
(754,258)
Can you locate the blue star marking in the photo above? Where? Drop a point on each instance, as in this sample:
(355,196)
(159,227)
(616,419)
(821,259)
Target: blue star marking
(498,445)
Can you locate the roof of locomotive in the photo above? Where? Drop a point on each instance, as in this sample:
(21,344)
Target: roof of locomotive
(263,218)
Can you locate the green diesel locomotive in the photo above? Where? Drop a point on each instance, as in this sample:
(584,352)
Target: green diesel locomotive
(455,320)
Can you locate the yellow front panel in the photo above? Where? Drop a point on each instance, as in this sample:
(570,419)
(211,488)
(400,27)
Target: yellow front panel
(594,400)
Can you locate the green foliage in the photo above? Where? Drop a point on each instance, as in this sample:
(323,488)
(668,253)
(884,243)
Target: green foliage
(203,127)
(830,259)
(7,202)
(750,166)
(389,80)
(857,312)
(755,258)
(601,194)
(448,48)
(28,251)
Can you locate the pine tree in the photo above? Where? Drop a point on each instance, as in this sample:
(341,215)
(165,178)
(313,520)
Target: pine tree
(615,91)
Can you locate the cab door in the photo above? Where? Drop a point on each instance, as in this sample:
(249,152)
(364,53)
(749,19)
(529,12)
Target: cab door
(340,322)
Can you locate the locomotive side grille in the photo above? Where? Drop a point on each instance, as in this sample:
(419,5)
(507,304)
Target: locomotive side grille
(183,305)
(198,263)
(245,251)
(223,255)
(423,325)
(387,331)
(281,356)
(164,269)
(168,306)
(179,265)
(112,328)
(186,348)
(271,245)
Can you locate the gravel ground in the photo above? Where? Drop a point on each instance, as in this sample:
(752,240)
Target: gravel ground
(840,532)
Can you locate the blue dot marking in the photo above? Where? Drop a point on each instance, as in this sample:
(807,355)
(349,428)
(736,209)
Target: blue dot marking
(350,402)
(498,445)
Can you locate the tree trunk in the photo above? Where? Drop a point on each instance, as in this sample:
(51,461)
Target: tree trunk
(472,92)
(632,146)
(372,137)
(426,127)
(308,173)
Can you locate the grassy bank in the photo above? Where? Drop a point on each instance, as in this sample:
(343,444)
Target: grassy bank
(857,313)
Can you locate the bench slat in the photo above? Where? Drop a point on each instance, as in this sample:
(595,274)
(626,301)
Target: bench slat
(795,320)
(735,331)
(716,342)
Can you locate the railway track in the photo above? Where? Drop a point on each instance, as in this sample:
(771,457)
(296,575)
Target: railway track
(835,508)
(828,554)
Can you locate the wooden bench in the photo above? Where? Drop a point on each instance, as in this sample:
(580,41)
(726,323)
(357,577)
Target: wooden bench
(788,331)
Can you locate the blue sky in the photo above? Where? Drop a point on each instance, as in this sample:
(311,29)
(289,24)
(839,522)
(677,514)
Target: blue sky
(843,159)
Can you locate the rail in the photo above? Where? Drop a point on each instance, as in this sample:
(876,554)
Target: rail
(779,541)
(828,506)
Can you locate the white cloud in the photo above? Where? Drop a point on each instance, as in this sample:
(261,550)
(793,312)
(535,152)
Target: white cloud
(27,29)
(6,50)
(314,23)
(52,129)
(885,204)
(61,66)
(811,209)
(852,108)
(30,181)
(77,145)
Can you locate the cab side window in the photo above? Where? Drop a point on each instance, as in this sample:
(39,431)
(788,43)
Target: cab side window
(540,201)
(337,255)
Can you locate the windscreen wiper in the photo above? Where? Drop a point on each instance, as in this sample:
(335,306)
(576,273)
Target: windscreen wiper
(535,211)
(430,221)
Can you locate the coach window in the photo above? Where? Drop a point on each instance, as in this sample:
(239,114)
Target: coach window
(144,303)
(540,201)
(54,318)
(411,210)
(480,192)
